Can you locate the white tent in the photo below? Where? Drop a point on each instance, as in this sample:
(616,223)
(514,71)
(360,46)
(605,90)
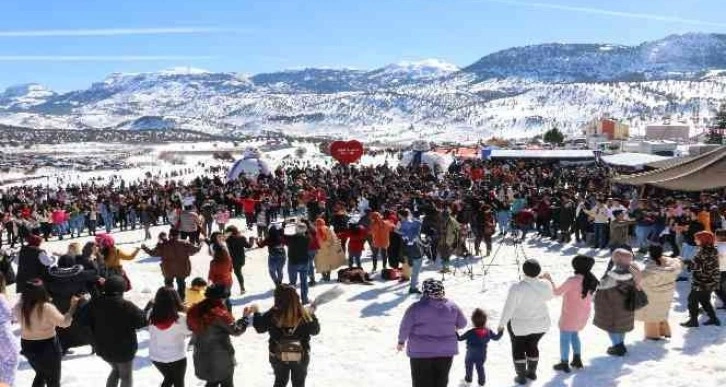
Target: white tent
(250,165)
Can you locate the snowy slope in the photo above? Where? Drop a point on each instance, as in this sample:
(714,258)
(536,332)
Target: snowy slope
(516,92)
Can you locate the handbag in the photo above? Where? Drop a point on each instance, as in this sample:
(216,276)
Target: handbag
(635,300)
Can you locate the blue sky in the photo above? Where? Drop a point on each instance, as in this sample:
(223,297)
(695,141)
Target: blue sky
(69,44)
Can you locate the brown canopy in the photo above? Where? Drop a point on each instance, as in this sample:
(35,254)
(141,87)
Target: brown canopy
(700,173)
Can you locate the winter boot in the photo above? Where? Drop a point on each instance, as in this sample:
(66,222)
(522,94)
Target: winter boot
(532,369)
(577,362)
(520,368)
(692,323)
(713,321)
(618,350)
(562,366)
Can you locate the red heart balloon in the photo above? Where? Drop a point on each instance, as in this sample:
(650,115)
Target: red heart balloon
(346,152)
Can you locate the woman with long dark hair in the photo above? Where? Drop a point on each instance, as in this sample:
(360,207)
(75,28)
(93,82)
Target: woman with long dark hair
(290,326)
(8,342)
(212,325)
(39,319)
(576,294)
(167,334)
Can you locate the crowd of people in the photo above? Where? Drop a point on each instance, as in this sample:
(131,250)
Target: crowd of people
(317,221)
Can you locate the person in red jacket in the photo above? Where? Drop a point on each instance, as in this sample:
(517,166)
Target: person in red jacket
(357,239)
(248,205)
(220,268)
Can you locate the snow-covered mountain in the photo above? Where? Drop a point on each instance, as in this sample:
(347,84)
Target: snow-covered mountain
(514,92)
(24,96)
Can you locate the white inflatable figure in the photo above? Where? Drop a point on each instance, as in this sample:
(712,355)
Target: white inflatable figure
(421,153)
(251,165)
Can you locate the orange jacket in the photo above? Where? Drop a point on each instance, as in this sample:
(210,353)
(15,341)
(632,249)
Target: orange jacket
(380,231)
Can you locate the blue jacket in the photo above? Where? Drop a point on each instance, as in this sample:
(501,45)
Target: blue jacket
(477,340)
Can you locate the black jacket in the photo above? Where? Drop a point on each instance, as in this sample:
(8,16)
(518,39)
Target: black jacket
(114,322)
(263,323)
(297,249)
(29,267)
(236,244)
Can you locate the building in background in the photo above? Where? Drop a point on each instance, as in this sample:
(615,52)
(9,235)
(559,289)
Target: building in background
(607,127)
(675,132)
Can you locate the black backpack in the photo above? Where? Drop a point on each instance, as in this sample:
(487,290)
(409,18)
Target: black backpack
(290,349)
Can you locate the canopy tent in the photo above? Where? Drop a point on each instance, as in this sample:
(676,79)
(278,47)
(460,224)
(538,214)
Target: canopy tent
(635,160)
(250,165)
(702,173)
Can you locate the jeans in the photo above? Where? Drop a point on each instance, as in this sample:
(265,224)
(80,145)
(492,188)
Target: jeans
(503,219)
(616,338)
(121,373)
(567,339)
(642,233)
(275,264)
(284,372)
(601,230)
(293,271)
(181,285)
(107,221)
(470,363)
(44,357)
(173,373)
(354,259)
(430,372)
(415,264)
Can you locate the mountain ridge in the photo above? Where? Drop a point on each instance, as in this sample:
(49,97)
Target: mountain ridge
(521,90)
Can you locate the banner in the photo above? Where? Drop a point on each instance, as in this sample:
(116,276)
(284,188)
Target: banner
(346,152)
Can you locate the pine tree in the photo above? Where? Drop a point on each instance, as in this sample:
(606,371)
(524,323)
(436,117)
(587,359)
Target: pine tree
(554,136)
(716,133)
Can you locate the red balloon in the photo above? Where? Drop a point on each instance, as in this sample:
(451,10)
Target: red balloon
(346,152)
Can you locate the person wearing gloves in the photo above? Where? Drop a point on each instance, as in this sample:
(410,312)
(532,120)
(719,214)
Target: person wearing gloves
(527,319)
(428,331)
(576,294)
(212,325)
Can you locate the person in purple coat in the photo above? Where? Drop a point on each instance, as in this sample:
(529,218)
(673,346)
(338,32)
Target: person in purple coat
(429,328)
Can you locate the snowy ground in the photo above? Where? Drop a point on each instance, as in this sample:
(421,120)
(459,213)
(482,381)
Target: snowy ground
(359,331)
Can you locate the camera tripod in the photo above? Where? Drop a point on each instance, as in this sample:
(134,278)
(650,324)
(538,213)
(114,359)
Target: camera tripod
(516,237)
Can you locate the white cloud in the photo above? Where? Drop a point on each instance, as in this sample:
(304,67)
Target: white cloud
(116,32)
(100,58)
(606,12)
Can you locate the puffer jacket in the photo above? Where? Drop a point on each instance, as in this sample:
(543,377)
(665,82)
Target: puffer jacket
(705,268)
(610,312)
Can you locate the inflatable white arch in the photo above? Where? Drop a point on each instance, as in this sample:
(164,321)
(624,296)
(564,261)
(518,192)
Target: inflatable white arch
(250,165)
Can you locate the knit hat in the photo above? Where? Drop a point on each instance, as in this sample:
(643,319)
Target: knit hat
(216,292)
(433,288)
(531,268)
(34,240)
(105,240)
(114,285)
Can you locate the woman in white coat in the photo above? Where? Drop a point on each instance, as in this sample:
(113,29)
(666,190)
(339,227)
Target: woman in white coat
(527,318)
(659,283)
